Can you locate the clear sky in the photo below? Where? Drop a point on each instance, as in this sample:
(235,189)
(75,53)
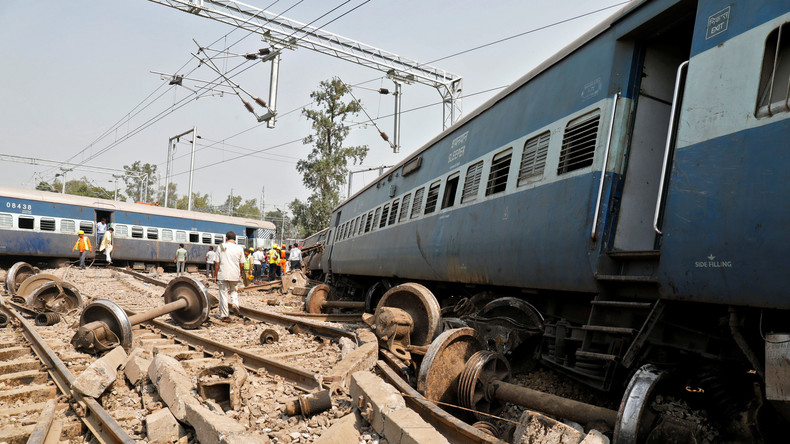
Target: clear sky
(76,80)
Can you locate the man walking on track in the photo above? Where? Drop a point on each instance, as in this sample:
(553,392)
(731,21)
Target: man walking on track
(229,266)
(180,260)
(84,246)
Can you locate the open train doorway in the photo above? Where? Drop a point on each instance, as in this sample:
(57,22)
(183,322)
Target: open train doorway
(662,45)
(102,215)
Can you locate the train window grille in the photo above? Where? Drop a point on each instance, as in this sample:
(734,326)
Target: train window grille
(137,232)
(497,175)
(404,208)
(433,197)
(86,227)
(533,158)
(376,217)
(450,190)
(68,226)
(25,222)
(347,231)
(6,220)
(416,208)
(218,239)
(368,222)
(152,233)
(385,216)
(181,236)
(361,225)
(343,231)
(774,89)
(167,235)
(352,228)
(578,144)
(242,240)
(120,230)
(47,224)
(206,238)
(195,237)
(472,182)
(394,212)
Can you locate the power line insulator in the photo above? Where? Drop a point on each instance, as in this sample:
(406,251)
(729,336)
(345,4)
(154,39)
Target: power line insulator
(384,91)
(264,51)
(260,102)
(251,56)
(248,106)
(384,136)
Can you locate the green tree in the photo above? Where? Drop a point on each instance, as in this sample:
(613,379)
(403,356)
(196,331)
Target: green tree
(46,186)
(83,187)
(325,169)
(136,181)
(172,197)
(249,209)
(199,203)
(231,205)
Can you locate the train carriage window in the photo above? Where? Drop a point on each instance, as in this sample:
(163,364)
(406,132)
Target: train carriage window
(450,189)
(354,226)
(578,143)
(433,197)
(497,175)
(137,232)
(774,88)
(385,214)
(376,217)
(6,220)
(533,158)
(152,233)
(47,224)
(218,239)
(343,229)
(120,230)
(67,226)
(87,227)
(361,228)
(167,235)
(404,207)
(206,238)
(394,212)
(242,240)
(472,182)
(194,237)
(416,208)
(181,236)
(368,222)
(25,222)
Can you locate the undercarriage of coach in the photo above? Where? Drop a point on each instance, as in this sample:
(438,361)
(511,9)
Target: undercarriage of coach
(679,372)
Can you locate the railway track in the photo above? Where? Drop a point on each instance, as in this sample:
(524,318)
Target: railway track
(38,404)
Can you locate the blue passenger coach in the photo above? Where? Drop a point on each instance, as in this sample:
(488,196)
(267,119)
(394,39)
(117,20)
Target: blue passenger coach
(633,188)
(45,225)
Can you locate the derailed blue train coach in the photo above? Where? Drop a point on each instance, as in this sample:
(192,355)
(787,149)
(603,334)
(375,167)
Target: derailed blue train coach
(632,188)
(44,225)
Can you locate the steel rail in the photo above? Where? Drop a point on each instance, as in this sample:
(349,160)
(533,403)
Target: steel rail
(332,317)
(302,378)
(100,423)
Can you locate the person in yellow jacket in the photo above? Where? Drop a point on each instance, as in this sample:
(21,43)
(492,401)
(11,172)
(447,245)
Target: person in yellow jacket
(247,266)
(83,244)
(274,258)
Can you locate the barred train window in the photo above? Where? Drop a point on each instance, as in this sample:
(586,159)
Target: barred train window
(206,238)
(181,236)
(167,235)
(137,232)
(384,216)
(533,158)
(772,97)
(376,218)
(394,212)
(416,209)
(578,143)
(67,226)
(472,182)
(195,237)
(361,225)
(450,190)
(152,233)
(218,239)
(368,222)
(47,224)
(120,230)
(497,176)
(6,220)
(433,196)
(404,209)
(87,227)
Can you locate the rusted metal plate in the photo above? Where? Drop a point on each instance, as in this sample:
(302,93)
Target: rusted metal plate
(33,282)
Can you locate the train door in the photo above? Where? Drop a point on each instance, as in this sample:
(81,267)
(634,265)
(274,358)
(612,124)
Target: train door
(661,49)
(107,217)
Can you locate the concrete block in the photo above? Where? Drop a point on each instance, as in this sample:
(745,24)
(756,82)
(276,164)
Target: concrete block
(406,426)
(376,398)
(213,428)
(136,366)
(595,437)
(99,375)
(366,335)
(536,428)
(362,358)
(162,427)
(173,384)
(343,431)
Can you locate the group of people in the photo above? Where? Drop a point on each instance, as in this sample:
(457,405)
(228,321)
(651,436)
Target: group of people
(232,264)
(104,238)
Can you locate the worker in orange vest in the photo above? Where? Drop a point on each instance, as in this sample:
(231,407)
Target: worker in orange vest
(83,244)
(283,260)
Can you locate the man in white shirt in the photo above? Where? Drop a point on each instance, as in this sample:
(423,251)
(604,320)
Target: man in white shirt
(257,263)
(229,266)
(295,258)
(211,257)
